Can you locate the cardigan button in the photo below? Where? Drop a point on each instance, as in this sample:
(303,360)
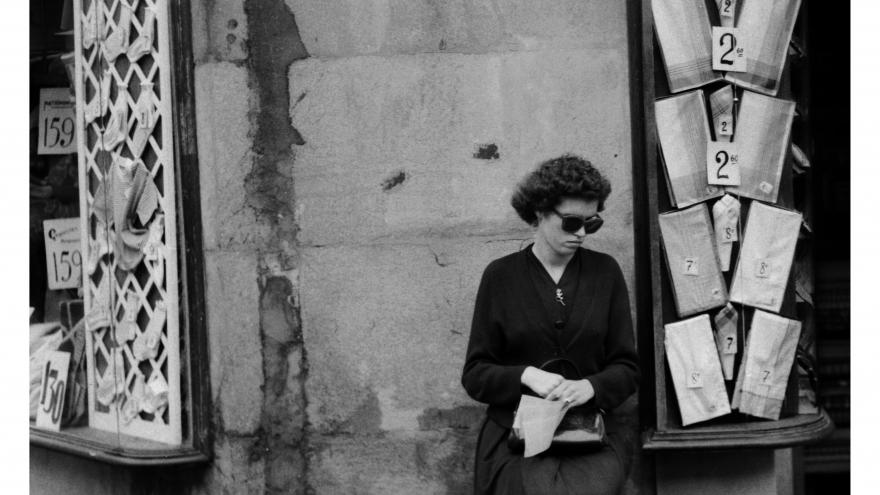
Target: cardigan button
(559,324)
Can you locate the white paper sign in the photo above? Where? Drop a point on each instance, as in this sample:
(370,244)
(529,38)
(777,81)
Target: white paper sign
(726,8)
(57,132)
(63,256)
(727,54)
(722,163)
(53,382)
(725,125)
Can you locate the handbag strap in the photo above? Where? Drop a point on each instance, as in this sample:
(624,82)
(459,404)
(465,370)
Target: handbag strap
(563,361)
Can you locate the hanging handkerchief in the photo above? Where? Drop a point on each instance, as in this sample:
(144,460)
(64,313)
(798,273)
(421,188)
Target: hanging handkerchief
(685,38)
(767,363)
(133,402)
(726,215)
(117,43)
(154,250)
(683,136)
(155,395)
(126,329)
(761,273)
(695,370)
(133,198)
(112,382)
(98,247)
(117,128)
(689,244)
(98,106)
(725,338)
(146,346)
(89,27)
(726,11)
(144,42)
(765,31)
(145,114)
(721,106)
(763,130)
(98,315)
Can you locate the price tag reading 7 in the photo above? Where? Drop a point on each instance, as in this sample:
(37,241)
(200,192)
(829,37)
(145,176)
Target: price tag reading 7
(727,54)
(722,164)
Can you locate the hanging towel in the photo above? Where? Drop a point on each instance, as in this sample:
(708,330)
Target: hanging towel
(695,369)
(685,38)
(692,261)
(761,273)
(725,338)
(726,215)
(683,133)
(768,359)
(762,136)
(765,29)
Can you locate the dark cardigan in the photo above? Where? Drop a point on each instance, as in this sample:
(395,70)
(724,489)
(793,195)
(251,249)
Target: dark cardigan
(512,330)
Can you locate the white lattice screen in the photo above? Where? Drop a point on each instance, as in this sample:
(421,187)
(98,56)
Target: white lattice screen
(126,176)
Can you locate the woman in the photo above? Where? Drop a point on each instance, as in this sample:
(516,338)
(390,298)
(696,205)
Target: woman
(552,299)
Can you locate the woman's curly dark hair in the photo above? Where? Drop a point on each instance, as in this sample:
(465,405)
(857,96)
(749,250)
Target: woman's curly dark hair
(565,176)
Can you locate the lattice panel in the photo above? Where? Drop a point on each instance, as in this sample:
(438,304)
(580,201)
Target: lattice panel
(127,196)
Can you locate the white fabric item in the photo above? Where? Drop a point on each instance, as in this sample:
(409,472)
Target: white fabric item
(117,128)
(537,420)
(692,260)
(726,11)
(695,369)
(145,115)
(112,382)
(146,346)
(721,105)
(685,38)
(762,137)
(117,43)
(761,273)
(725,212)
(765,29)
(726,341)
(767,363)
(683,133)
(144,42)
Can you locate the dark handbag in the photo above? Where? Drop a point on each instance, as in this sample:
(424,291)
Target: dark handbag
(582,428)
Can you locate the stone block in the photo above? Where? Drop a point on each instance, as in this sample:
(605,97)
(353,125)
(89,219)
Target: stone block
(225,156)
(386,329)
(345,28)
(234,338)
(391,141)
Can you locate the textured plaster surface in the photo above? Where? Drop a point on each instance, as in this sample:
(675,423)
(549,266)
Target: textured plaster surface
(219,31)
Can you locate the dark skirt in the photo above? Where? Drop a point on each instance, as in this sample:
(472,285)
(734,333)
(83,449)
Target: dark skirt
(501,472)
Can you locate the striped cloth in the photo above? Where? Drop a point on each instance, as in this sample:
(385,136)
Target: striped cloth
(683,134)
(692,261)
(725,338)
(767,362)
(721,105)
(685,38)
(765,29)
(695,370)
(761,273)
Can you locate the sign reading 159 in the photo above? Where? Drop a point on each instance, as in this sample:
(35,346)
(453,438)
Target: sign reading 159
(57,132)
(63,256)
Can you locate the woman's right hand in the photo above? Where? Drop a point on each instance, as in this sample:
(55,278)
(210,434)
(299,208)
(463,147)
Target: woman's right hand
(540,381)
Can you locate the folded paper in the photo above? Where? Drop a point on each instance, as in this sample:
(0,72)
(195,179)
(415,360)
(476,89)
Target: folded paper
(767,363)
(695,369)
(725,212)
(762,137)
(765,32)
(761,273)
(685,38)
(692,260)
(683,132)
(726,338)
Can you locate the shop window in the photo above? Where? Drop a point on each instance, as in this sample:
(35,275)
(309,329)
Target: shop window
(117,281)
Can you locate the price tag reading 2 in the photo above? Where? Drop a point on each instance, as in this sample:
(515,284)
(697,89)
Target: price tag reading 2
(727,54)
(726,8)
(722,163)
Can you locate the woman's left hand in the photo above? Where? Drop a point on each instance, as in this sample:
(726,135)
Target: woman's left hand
(574,392)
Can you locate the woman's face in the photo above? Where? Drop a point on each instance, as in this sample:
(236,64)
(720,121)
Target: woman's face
(550,224)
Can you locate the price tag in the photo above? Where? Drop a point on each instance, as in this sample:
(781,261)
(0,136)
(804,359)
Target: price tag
(722,163)
(728,234)
(727,54)
(762,268)
(63,256)
(131,306)
(53,381)
(57,131)
(725,125)
(729,344)
(691,267)
(726,8)
(766,377)
(695,380)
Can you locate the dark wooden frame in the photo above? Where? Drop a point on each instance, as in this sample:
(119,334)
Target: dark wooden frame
(660,430)
(197,448)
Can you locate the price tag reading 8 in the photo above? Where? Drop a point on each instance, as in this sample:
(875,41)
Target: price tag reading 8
(63,256)
(727,54)
(722,163)
(57,131)
(694,379)
(762,268)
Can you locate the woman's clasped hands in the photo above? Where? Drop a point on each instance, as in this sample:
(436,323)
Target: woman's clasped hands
(552,386)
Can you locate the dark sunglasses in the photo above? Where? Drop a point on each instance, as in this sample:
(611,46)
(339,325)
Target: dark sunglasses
(573,223)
